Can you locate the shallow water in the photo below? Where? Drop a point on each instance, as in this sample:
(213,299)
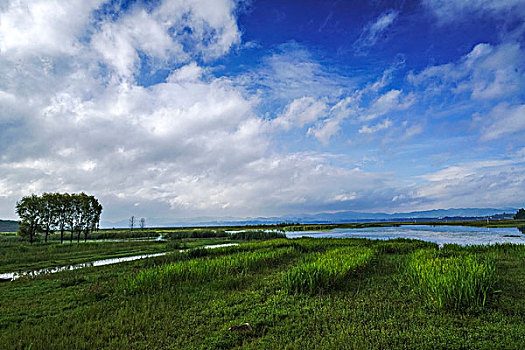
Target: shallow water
(462,235)
(11,276)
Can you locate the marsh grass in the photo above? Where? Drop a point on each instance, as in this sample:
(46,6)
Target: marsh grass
(202,269)
(326,271)
(85,309)
(256,235)
(452,279)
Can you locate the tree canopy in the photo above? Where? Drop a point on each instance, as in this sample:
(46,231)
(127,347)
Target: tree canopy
(520,214)
(80,213)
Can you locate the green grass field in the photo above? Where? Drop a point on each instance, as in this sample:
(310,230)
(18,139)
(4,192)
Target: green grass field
(364,295)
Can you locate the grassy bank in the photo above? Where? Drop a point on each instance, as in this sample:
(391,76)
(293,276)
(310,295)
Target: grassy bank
(22,256)
(190,300)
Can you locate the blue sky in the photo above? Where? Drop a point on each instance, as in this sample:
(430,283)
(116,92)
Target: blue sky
(178,109)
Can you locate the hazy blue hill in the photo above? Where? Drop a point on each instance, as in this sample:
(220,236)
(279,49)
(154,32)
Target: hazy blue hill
(339,217)
(8,226)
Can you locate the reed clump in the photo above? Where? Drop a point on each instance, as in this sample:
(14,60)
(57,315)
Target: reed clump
(326,271)
(452,281)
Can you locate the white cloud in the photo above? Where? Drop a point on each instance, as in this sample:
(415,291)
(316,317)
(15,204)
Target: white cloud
(486,73)
(300,112)
(375,128)
(391,101)
(293,73)
(448,11)
(373,31)
(495,183)
(173,32)
(189,72)
(43,27)
(502,120)
(343,197)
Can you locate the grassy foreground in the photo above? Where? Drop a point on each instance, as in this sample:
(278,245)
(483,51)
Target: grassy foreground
(368,295)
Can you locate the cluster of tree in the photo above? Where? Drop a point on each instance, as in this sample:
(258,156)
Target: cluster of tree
(520,214)
(132,221)
(50,212)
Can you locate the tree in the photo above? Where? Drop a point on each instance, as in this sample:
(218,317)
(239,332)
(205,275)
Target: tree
(28,210)
(83,214)
(131,222)
(142,223)
(62,210)
(79,213)
(94,210)
(520,214)
(48,210)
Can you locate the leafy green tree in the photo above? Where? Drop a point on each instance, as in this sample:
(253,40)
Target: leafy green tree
(29,210)
(72,214)
(93,210)
(80,213)
(48,212)
(520,214)
(62,211)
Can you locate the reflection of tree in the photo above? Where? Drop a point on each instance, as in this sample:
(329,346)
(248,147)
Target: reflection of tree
(522,229)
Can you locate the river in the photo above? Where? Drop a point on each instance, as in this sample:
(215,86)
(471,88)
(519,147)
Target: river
(462,235)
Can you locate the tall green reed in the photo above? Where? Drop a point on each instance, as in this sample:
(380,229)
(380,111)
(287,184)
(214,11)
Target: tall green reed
(203,269)
(326,271)
(452,281)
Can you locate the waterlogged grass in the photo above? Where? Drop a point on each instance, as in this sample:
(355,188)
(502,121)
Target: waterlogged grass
(459,281)
(204,269)
(326,271)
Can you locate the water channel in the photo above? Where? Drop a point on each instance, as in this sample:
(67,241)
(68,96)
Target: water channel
(11,276)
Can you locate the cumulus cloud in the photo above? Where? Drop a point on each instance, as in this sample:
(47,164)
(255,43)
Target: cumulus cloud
(373,31)
(42,26)
(173,32)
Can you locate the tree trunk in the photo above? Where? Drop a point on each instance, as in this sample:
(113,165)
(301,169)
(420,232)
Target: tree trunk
(31,231)
(85,235)
(78,235)
(61,234)
(47,232)
(72,231)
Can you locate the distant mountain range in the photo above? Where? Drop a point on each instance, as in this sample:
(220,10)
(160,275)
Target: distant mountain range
(8,226)
(339,217)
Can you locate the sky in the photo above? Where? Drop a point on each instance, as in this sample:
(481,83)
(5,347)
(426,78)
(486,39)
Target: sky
(229,108)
